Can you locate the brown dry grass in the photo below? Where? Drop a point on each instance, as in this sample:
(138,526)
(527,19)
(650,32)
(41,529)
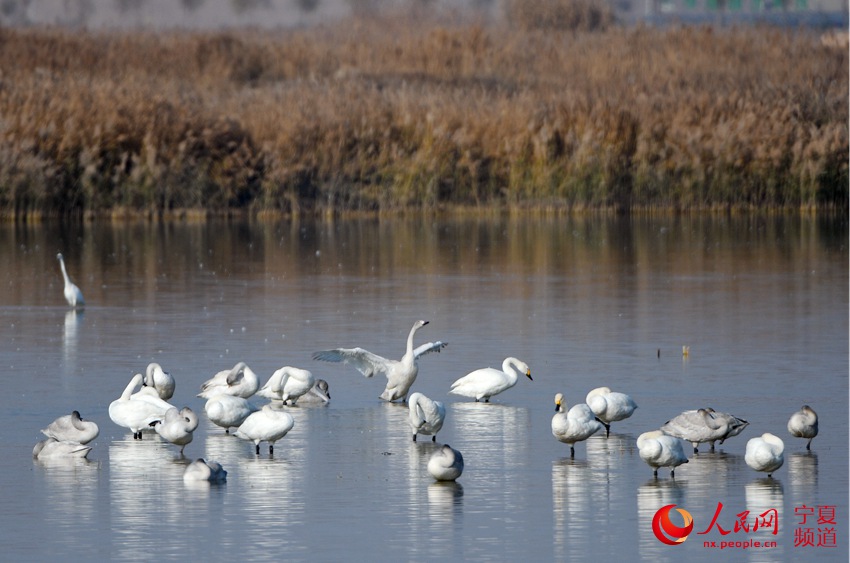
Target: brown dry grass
(388,115)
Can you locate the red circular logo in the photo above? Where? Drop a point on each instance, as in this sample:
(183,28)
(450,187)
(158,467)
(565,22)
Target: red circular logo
(668,532)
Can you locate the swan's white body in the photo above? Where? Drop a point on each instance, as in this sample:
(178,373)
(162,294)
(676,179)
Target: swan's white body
(160,380)
(484,383)
(266,425)
(658,449)
(704,425)
(72,428)
(201,470)
(400,374)
(51,448)
(445,464)
(610,406)
(73,295)
(765,453)
(574,425)
(287,384)
(228,411)
(240,381)
(319,393)
(177,427)
(135,414)
(804,424)
(426,416)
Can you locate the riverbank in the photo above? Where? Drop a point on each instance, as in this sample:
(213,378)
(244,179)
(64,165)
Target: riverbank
(387,116)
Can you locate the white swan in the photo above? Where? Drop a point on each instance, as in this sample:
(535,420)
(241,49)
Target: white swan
(266,425)
(228,411)
(446,464)
(400,374)
(319,393)
(160,380)
(287,384)
(51,448)
(134,414)
(240,381)
(73,295)
(658,449)
(484,383)
(177,427)
(576,425)
(804,424)
(201,470)
(72,428)
(426,416)
(765,453)
(704,425)
(610,406)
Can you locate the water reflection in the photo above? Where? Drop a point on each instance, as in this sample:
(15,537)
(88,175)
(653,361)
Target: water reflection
(652,495)
(765,501)
(71,485)
(73,320)
(708,475)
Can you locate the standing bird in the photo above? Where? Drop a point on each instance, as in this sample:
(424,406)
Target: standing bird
(575,425)
(400,374)
(72,428)
(228,411)
(660,450)
(446,464)
(73,295)
(765,453)
(804,424)
(287,384)
(240,381)
(135,413)
(201,470)
(160,380)
(426,416)
(484,383)
(266,425)
(704,425)
(177,427)
(609,406)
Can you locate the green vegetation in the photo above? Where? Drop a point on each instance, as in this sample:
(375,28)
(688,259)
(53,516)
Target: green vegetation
(385,115)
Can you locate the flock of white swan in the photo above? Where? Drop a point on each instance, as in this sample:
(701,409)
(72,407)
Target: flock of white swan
(143,405)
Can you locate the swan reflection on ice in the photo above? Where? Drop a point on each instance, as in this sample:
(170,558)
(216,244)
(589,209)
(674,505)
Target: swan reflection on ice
(651,496)
(445,503)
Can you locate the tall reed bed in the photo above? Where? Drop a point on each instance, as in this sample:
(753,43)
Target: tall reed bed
(388,115)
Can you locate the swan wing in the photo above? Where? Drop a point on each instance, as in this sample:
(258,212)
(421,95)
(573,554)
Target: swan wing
(364,361)
(429,347)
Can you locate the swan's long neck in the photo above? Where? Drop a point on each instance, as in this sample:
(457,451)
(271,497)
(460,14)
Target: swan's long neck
(128,391)
(408,355)
(508,367)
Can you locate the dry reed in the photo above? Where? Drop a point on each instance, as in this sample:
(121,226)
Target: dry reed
(384,115)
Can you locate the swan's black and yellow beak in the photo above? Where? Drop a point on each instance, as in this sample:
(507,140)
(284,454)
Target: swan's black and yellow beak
(528,374)
(557,406)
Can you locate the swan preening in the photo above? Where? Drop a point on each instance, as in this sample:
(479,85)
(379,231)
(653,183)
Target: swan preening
(319,393)
(446,464)
(575,425)
(228,411)
(400,374)
(240,381)
(804,424)
(202,470)
(658,449)
(136,413)
(765,453)
(610,406)
(72,428)
(159,380)
(73,295)
(176,426)
(704,425)
(287,384)
(51,448)
(426,416)
(266,425)
(484,383)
